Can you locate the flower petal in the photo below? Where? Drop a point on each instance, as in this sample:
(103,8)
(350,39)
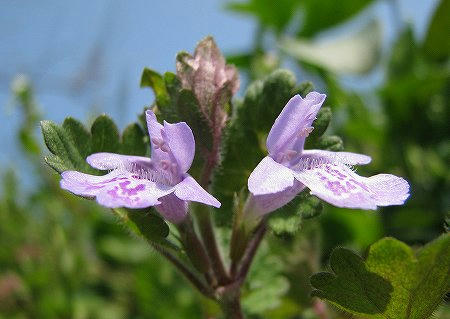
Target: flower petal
(259,205)
(181,142)
(340,186)
(297,115)
(107,161)
(347,158)
(172,208)
(269,177)
(116,189)
(188,189)
(155,130)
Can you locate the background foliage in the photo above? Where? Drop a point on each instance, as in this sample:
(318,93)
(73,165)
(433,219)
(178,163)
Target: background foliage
(62,257)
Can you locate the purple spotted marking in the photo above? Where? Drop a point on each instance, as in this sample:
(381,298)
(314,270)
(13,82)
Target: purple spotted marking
(336,187)
(364,187)
(173,145)
(131,191)
(327,174)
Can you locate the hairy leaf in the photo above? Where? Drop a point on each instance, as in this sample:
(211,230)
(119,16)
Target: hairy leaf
(71,143)
(134,141)
(393,282)
(288,219)
(266,283)
(80,136)
(150,225)
(155,81)
(61,145)
(105,135)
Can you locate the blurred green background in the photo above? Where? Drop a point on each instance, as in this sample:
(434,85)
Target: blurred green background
(388,85)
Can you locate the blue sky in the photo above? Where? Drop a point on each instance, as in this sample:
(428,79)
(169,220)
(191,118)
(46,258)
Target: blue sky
(58,44)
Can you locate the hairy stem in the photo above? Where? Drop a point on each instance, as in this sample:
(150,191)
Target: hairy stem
(188,273)
(251,251)
(230,300)
(195,250)
(210,243)
(232,308)
(192,277)
(217,120)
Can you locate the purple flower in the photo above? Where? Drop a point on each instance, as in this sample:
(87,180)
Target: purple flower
(288,168)
(138,182)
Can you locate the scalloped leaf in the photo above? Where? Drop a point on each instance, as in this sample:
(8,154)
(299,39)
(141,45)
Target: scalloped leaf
(67,156)
(134,140)
(288,219)
(105,135)
(71,143)
(393,282)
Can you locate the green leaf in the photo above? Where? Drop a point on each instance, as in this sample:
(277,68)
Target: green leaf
(393,282)
(436,44)
(150,225)
(282,225)
(275,14)
(145,224)
(265,99)
(403,54)
(154,80)
(303,88)
(134,141)
(71,142)
(321,123)
(266,284)
(167,108)
(327,142)
(189,111)
(60,144)
(241,61)
(80,136)
(105,135)
(288,219)
(424,274)
(352,285)
(321,15)
(240,154)
(355,54)
(57,163)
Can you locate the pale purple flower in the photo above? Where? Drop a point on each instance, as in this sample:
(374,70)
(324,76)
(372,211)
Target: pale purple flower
(288,168)
(138,182)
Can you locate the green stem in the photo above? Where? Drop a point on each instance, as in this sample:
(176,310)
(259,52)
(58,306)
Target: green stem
(232,308)
(209,240)
(251,251)
(188,274)
(195,250)
(230,301)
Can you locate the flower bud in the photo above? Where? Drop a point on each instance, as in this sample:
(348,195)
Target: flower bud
(206,74)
